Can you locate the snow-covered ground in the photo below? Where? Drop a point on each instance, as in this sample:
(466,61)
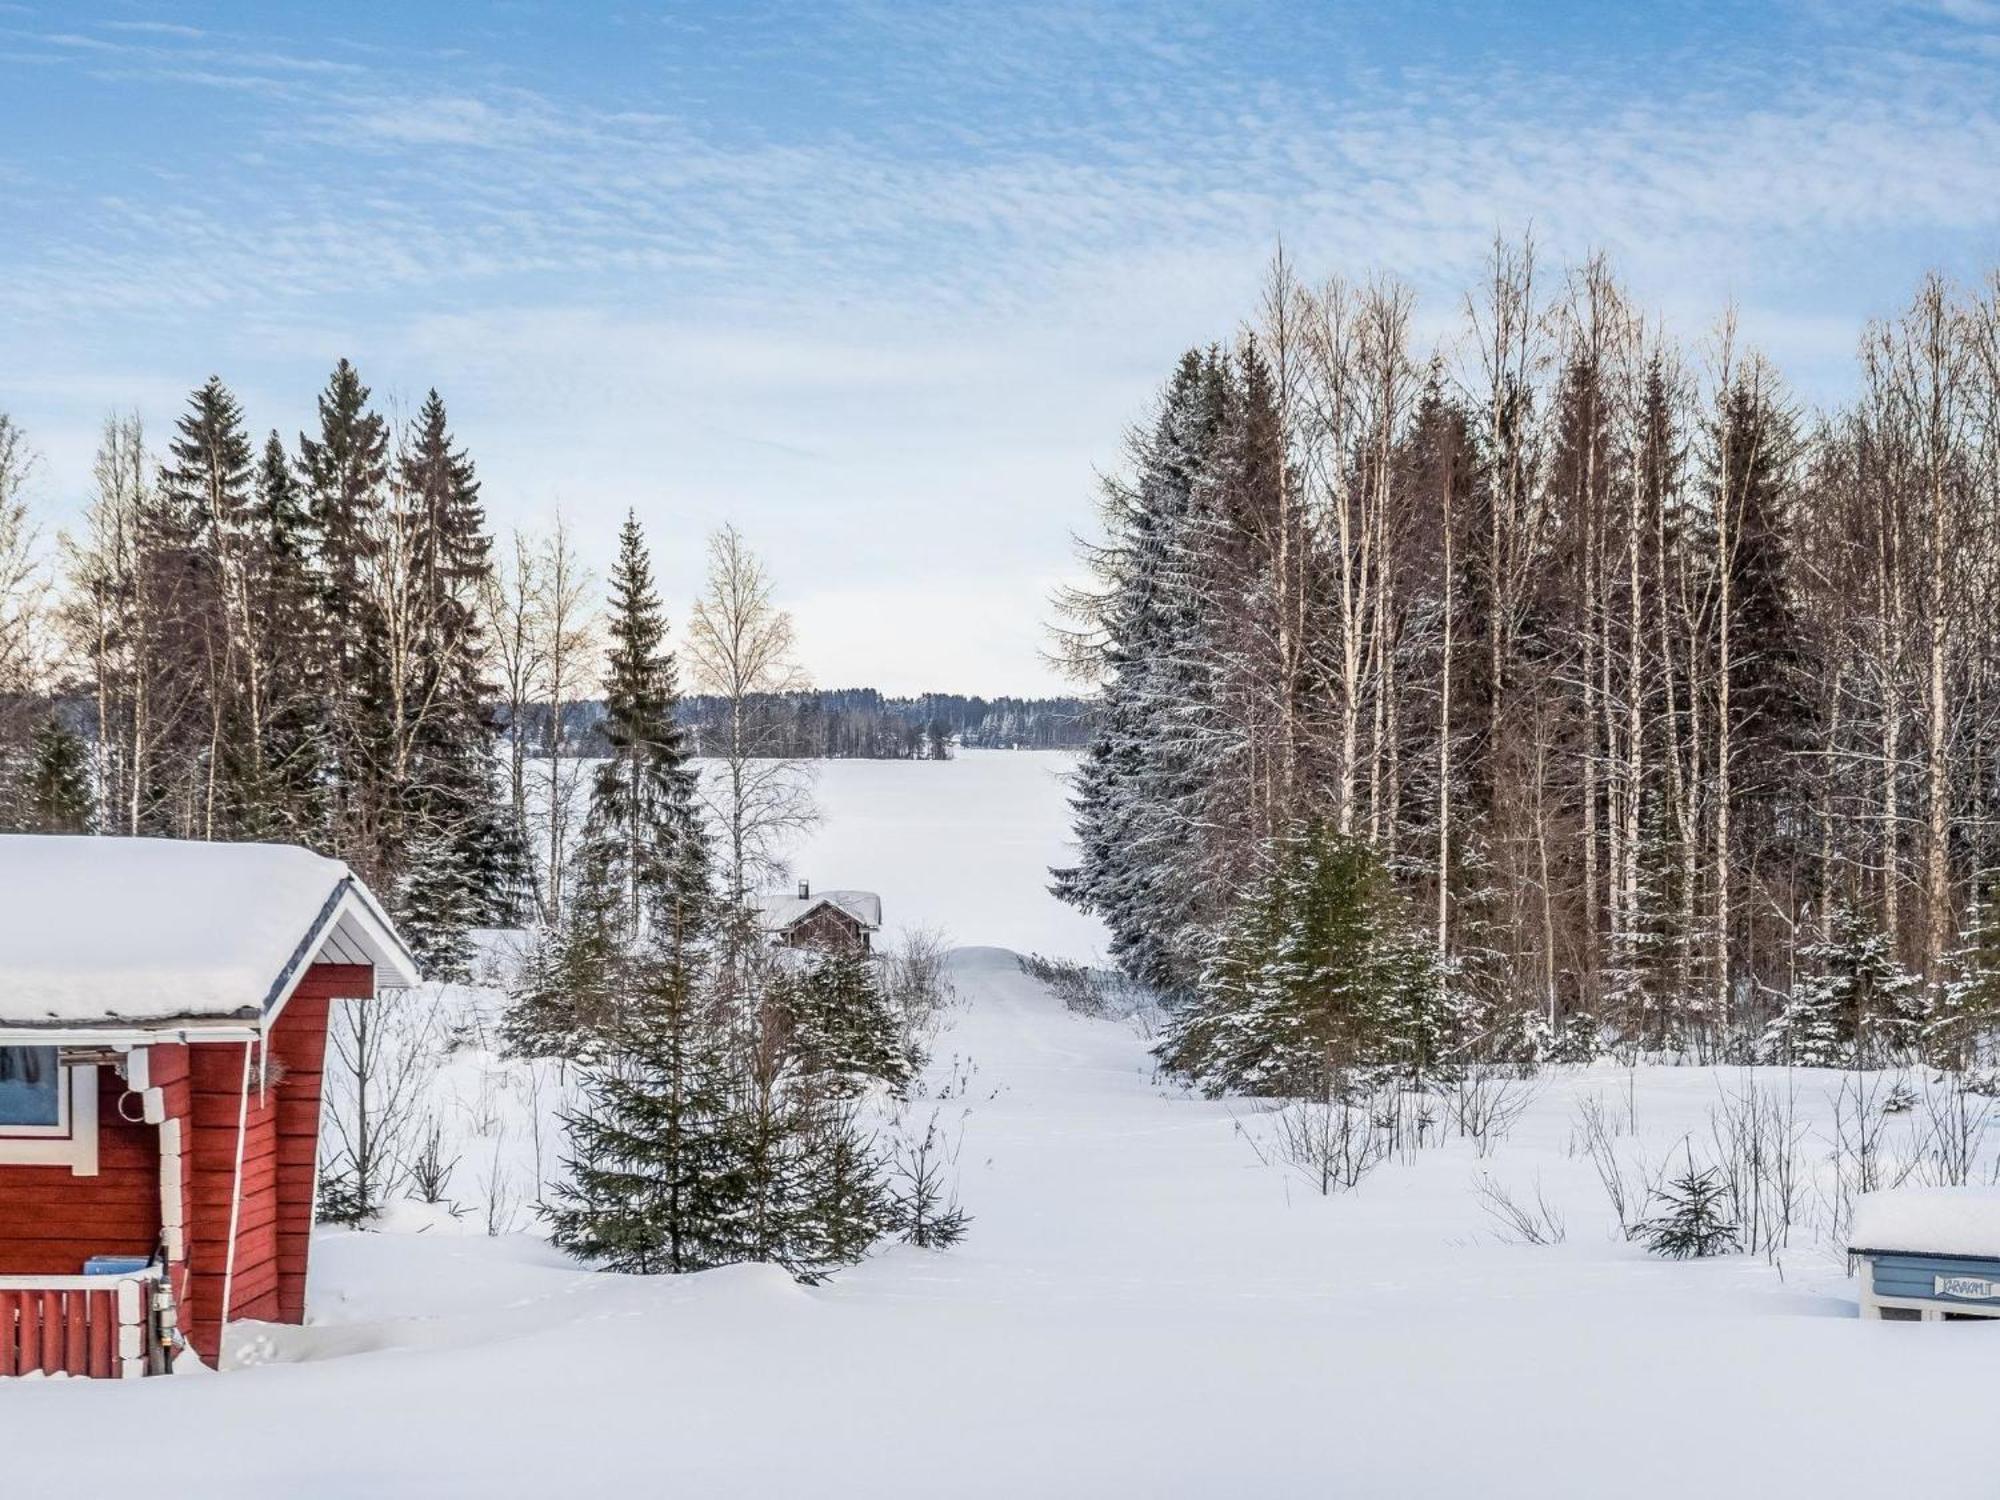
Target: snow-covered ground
(1148,1304)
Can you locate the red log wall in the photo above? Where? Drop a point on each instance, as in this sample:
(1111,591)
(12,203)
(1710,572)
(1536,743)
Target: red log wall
(830,929)
(280,1144)
(52,1221)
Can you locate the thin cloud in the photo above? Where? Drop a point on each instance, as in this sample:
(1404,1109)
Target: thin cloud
(154,28)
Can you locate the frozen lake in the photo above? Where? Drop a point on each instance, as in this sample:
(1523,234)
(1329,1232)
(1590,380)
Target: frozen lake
(962,845)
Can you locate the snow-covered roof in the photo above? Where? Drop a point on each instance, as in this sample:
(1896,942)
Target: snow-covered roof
(781,912)
(1929,1220)
(102,933)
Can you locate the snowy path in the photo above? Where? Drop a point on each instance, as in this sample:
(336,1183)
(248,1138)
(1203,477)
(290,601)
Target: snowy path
(1143,1308)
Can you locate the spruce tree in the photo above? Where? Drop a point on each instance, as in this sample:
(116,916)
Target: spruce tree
(641,868)
(287,604)
(1316,970)
(1856,1003)
(208,487)
(453,551)
(436,906)
(846,1206)
(344,471)
(449,791)
(1696,1220)
(1967,1005)
(567,998)
(658,1167)
(211,472)
(840,1025)
(1657,944)
(643,848)
(1753,445)
(815,1199)
(167,619)
(923,1206)
(1138,798)
(55,793)
(774,1118)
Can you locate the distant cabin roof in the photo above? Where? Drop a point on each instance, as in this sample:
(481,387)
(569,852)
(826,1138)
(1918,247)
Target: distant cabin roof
(96,933)
(783,911)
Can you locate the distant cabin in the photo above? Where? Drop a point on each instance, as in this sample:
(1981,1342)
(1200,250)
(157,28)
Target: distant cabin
(829,922)
(163,1022)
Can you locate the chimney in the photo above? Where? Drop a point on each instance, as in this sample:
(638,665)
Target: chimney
(805,890)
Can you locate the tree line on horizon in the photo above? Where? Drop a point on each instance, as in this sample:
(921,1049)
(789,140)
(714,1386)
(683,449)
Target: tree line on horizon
(853,724)
(1552,690)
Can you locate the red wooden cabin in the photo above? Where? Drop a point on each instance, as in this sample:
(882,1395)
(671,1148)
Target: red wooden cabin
(163,1022)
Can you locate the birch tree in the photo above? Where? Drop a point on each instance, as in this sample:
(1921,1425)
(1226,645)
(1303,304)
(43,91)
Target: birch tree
(740,648)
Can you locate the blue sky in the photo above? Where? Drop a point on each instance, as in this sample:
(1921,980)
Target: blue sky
(882,283)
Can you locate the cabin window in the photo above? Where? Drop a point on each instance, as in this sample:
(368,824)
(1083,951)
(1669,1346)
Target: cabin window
(48,1111)
(31,1092)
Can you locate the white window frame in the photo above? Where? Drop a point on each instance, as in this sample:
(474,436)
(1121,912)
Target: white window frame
(63,1107)
(72,1141)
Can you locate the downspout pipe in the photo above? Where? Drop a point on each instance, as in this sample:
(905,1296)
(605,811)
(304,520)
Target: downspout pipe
(235,1207)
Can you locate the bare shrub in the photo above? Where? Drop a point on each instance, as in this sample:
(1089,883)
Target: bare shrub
(1071,982)
(1759,1139)
(503,1206)
(1864,1106)
(430,1171)
(1484,1101)
(1406,1118)
(534,1084)
(381,1056)
(1629,1183)
(961,1079)
(1955,1122)
(916,981)
(1333,1141)
(1519,1223)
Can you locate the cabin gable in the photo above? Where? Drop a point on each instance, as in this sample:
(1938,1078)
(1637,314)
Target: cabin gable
(828,928)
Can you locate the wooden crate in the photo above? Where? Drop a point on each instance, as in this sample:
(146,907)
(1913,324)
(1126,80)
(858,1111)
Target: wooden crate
(1922,1286)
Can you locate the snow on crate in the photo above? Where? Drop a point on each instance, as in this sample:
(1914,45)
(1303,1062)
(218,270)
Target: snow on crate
(1929,1253)
(1937,1220)
(163,1028)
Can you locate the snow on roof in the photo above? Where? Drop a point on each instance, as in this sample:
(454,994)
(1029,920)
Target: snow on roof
(783,911)
(100,931)
(1933,1220)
